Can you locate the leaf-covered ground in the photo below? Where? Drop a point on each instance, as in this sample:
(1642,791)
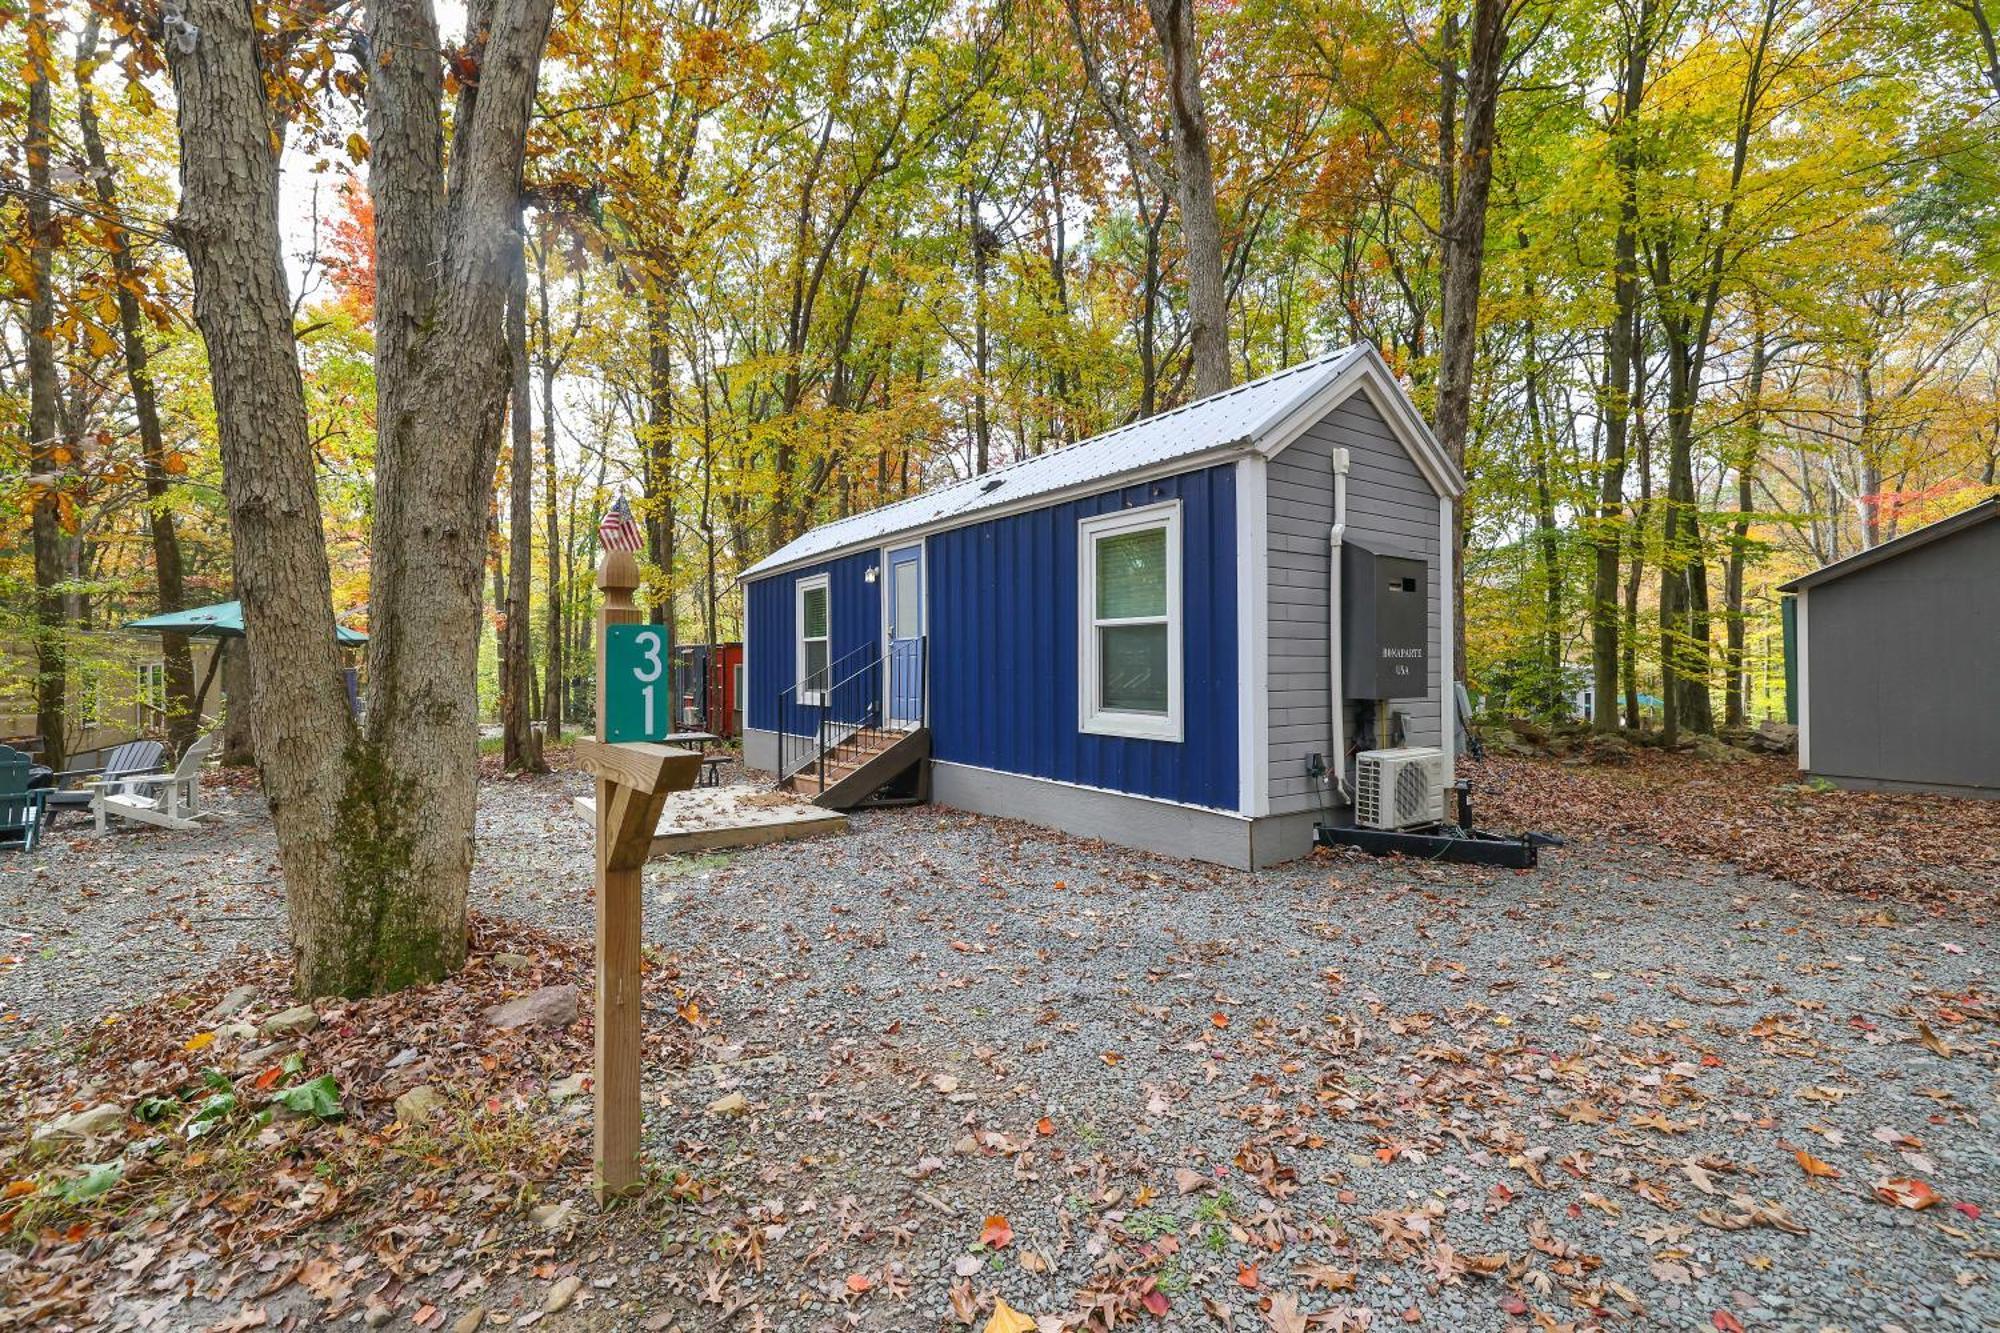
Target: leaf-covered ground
(944,1063)
(1757,813)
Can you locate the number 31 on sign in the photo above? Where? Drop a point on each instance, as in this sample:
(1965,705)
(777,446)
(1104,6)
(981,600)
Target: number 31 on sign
(637,706)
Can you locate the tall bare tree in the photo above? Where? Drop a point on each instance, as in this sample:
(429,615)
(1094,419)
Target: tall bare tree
(374,825)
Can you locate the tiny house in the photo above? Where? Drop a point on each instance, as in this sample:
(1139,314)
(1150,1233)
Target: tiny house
(1893,653)
(706,680)
(1184,635)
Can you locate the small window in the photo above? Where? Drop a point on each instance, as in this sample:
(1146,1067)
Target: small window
(1129,650)
(152,695)
(814,639)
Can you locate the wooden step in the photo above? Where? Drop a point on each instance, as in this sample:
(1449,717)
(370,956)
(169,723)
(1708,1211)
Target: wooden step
(854,772)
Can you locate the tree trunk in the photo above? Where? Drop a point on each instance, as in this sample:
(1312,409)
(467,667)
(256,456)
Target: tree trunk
(1466,183)
(374,830)
(1734,710)
(182,721)
(521,749)
(1607,537)
(1552,692)
(44,408)
(1636,539)
(1201,224)
(552,687)
(658,448)
(239,742)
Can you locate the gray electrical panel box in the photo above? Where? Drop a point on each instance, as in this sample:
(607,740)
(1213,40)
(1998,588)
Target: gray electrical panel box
(1385,623)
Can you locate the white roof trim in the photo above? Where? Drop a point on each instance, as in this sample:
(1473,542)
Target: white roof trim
(1264,416)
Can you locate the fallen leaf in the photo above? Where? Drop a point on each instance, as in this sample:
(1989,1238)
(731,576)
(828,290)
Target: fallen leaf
(1006,1319)
(203,1040)
(1246,1277)
(1284,1316)
(1725,1321)
(1971,1210)
(1155,1302)
(1045,1127)
(997,1234)
(1325,1277)
(1219,1018)
(860,1283)
(1914,1194)
(1812,1165)
(1931,1041)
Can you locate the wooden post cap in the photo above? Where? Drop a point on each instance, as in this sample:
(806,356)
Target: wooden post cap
(618,569)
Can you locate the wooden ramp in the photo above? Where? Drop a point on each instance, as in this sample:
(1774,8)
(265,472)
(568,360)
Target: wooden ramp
(708,819)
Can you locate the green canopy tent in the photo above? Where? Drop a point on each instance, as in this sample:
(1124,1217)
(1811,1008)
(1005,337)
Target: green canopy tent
(221,621)
(224,620)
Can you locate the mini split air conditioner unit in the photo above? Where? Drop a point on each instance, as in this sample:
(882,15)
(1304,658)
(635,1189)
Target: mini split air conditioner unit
(1401,788)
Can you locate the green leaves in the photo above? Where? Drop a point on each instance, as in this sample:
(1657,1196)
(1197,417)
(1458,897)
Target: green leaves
(319,1098)
(209,1113)
(94,1181)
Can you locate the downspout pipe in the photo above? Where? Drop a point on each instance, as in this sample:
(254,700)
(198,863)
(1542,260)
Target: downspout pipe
(1335,646)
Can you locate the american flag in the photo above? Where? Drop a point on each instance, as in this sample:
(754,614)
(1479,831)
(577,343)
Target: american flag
(617,530)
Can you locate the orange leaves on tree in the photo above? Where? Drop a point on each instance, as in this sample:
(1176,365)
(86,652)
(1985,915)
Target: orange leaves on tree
(349,259)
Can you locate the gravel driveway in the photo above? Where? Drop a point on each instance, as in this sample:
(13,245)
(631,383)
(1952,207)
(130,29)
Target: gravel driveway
(1627,1089)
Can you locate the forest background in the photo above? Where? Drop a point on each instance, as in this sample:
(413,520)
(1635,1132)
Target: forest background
(1702,292)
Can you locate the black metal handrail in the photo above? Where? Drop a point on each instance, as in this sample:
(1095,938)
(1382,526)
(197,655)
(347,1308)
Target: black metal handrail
(844,704)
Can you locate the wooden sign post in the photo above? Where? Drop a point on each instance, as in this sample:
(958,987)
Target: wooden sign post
(633,781)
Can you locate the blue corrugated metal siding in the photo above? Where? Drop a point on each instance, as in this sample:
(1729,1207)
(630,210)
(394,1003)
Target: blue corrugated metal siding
(854,607)
(1003,649)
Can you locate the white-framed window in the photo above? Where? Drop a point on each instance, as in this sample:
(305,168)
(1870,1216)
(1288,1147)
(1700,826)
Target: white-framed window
(815,624)
(1129,623)
(152,695)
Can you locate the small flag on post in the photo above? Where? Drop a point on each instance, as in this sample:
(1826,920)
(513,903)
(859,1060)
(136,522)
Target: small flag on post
(618,531)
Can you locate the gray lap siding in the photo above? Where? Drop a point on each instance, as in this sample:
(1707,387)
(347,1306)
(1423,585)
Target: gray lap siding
(1388,501)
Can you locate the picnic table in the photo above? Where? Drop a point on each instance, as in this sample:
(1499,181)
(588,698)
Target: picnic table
(711,764)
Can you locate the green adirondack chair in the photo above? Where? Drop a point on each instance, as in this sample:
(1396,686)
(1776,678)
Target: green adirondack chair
(20,807)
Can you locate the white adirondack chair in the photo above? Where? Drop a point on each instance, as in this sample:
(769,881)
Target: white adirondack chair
(168,800)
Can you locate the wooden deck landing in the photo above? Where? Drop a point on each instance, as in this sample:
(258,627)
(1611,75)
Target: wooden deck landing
(707,819)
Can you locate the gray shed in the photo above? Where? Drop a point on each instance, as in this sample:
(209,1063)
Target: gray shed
(1898,659)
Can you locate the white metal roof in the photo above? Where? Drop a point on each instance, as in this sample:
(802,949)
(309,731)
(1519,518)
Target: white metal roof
(1264,412)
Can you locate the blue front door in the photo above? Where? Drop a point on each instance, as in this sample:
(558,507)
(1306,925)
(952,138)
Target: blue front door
(905,621)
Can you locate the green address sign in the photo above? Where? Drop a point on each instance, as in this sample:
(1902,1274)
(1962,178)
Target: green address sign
(636,702)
